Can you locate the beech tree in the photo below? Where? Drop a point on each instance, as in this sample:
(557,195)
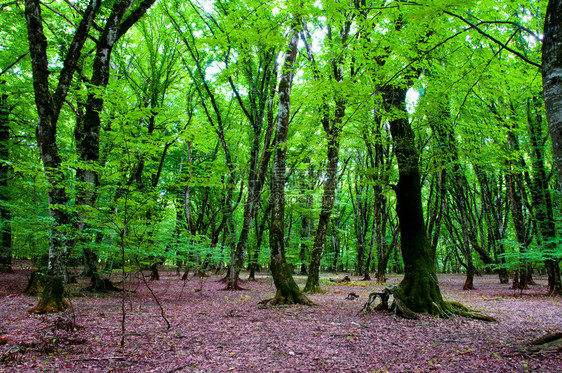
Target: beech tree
(49,106)
(434,111)
(552,86)
(288,291)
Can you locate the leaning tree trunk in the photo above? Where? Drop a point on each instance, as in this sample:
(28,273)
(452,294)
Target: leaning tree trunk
(288,291)
(419,290)
(312,281)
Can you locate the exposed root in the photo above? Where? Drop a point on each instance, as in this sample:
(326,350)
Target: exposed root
(285,300)
(545,344)
(315,289)
(234,287)
(102,286)
(50,306)
(444,310)
(461,310)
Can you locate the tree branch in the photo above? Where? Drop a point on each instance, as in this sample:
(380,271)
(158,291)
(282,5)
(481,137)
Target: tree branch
(485,34)
(14,63)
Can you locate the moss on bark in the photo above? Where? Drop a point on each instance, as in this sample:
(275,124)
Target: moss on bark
(52,298)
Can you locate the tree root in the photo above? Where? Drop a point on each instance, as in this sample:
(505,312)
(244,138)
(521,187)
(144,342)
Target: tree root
(285,300)
(545,344)
(50,306)
(443,310)
(315,289)
(461,310)
(102,286)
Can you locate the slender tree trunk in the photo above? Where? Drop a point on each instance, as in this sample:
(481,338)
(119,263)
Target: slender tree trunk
(328,198)
(493,203)
(288,291)
(260,228)
(5,169)
(521,280)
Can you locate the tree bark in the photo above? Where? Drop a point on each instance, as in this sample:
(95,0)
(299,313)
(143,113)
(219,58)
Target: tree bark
(48,107)
(288,291)
(328,199)
(552,78)
(419,290)
(5,169)
(542,201)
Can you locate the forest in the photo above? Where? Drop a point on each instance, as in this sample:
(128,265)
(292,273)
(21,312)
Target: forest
(264,154)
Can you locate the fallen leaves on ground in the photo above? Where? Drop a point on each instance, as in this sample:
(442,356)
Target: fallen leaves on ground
(213,330)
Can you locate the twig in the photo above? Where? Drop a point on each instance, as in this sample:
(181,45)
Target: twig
(152,293)
(101,358)
(177,368)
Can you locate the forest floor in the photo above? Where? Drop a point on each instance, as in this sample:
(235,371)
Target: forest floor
(212,330)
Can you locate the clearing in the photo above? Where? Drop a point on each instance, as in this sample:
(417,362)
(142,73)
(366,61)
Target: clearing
(212,330)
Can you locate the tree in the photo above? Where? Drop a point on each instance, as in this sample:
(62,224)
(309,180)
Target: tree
(552,88)
(5,213)
(552,84)
(332,123)
(49,106)
(288,291)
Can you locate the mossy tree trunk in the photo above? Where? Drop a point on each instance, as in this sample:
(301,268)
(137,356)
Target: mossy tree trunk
(552,88)
(288,291)
(552,83)
(49,107)
(419,290)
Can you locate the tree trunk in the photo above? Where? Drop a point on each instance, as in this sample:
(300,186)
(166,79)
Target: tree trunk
(288,291)
(552,88)
(5,169)
(552,78)
(419,290)
(542,201)
(332,129)
(48,107)
(520,281)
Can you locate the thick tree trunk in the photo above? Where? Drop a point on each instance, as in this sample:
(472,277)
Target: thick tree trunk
(552,78)
(48,107)
(542,201)
(552,88)
(288,291)
(419,290)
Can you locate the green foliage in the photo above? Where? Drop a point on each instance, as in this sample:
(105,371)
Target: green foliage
(188,68)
